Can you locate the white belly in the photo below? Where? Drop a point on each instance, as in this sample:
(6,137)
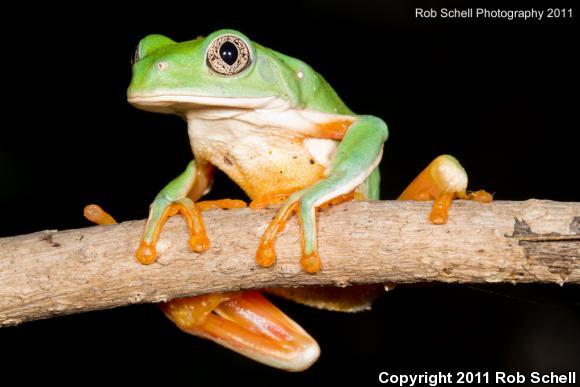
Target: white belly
(261,160)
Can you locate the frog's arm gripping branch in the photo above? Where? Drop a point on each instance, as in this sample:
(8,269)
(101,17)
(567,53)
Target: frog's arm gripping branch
(356,158)
(178,197)
(93,268)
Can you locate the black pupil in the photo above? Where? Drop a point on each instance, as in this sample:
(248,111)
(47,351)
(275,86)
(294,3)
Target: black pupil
(229,53)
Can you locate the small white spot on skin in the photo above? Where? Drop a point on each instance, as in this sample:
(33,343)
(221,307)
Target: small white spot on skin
(300,74)
(162,66)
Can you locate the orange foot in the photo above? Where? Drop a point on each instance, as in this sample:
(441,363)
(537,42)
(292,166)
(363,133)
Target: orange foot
(266,253)
(198,241)
(443,181)
(246,322)
(97,215)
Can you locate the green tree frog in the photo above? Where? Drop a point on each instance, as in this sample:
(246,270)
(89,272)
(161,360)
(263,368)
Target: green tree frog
(280,131)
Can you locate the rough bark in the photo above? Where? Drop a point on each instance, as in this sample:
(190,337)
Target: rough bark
(52,273)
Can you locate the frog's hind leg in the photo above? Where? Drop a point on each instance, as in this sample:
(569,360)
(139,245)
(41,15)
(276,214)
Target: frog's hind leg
(371,188)
(443,181)
(246,322)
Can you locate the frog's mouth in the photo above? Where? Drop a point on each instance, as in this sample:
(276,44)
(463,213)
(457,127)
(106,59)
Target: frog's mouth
(268,111)
(180,103)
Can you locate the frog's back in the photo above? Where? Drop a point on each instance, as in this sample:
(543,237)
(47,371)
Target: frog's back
(312,90)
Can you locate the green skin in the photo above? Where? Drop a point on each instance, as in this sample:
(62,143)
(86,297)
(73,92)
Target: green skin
(165,72)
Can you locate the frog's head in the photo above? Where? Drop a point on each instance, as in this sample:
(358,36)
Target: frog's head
(225,69)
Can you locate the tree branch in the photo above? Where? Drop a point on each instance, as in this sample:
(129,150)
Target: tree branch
(52,273)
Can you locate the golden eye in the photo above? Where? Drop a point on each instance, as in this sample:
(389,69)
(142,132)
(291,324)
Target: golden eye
(228,55)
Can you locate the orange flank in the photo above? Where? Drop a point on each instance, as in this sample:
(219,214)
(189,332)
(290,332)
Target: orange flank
(97,215)
(443,181)
(334,130)
(266,254)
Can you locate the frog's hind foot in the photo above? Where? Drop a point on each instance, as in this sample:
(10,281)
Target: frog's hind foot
(443,181)
(246,322)
(96,214)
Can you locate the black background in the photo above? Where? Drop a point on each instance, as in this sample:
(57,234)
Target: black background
(501,96)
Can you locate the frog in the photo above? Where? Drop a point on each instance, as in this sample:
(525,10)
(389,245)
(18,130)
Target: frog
(276,128)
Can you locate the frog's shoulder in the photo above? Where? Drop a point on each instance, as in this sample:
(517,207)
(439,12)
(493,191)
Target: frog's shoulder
(311,89)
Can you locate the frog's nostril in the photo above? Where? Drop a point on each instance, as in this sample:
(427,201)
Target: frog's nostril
(162,66)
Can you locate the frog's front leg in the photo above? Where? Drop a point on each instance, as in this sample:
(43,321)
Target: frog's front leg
(171,200)
(356,157)
(178,197)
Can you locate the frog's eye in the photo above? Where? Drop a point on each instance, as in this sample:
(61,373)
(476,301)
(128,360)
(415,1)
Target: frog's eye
(228,55)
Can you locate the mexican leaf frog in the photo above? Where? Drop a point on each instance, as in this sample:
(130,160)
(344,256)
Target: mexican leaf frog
(280,131)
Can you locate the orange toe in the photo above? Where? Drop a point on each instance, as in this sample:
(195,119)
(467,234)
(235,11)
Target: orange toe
(199,242)
(97,215)
(146,253)
(266,254)
(311,263)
